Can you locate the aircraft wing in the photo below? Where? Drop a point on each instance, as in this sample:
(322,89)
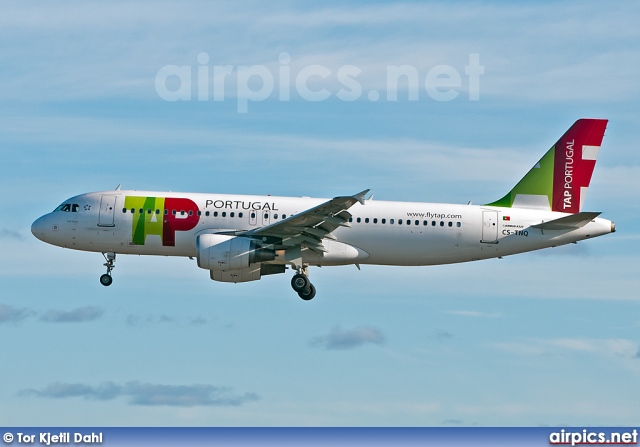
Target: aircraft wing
(309,227)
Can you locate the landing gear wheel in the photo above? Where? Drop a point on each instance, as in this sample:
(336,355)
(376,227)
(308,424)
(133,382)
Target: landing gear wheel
(310,295)
(300,283)
(110,257)
(106,280)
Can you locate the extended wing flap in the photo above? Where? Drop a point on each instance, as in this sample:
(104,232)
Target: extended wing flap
(571,222)
(318,232)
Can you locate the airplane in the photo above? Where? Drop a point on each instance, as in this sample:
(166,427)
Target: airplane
(240,238)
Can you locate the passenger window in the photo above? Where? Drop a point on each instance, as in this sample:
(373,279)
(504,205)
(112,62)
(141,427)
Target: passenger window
(284,216)
(425,223)
(275,216)
(215,214)
(417,222)
(384,221)
(173,212)
(433,223)
(240,215)
(408,222)
(124,210)
(149,211)
(232,214)
(391,221)
(399,221)
(459,224)
(141,211)
(351,219)
(375,220)
(199,213)
(224,214)
(157,211)
(206,213)
(366,220)
(450,224)
(441,223)
(133,211)
(182,212)
(266,215)
(166,212)
(358,220)
(190,212)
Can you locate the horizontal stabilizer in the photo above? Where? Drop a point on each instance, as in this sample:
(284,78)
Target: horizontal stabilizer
(571,222)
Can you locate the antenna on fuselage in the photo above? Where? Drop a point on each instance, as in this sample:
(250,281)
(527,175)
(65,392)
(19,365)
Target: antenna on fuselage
(118,187)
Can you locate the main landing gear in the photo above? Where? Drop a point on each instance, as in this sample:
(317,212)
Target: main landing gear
(301,284)
(106,279)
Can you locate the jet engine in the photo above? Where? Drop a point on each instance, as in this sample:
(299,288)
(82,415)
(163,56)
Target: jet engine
(221,252)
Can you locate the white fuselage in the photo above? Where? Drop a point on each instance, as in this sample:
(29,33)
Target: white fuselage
(385,233)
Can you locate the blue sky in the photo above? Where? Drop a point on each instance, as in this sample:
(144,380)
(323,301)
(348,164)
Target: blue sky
(547,338)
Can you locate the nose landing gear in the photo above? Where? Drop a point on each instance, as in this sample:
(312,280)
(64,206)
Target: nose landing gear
(301,284)
(106,279)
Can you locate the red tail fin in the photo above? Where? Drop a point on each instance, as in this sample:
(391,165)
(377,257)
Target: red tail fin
(574,161)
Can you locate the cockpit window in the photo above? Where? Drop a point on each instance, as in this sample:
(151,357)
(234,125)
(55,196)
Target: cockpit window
(68,208)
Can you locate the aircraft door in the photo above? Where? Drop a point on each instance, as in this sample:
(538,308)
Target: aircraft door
(253,217)
(490,227)
(107,210)
(266,217)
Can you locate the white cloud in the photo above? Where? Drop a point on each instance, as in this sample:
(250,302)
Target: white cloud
(339,339)
(80,315)
(434,160)
(139,320)
(473,313)
(146,394)
(6,233)
(10,314)
(609,347)
(605,276)
(103,57)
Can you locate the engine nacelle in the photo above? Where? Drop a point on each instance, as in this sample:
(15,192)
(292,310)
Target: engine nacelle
(221,252)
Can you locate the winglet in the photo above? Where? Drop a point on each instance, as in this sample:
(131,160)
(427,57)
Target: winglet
(360,196)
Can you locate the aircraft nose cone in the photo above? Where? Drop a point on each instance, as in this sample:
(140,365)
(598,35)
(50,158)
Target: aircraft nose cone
(38,228)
